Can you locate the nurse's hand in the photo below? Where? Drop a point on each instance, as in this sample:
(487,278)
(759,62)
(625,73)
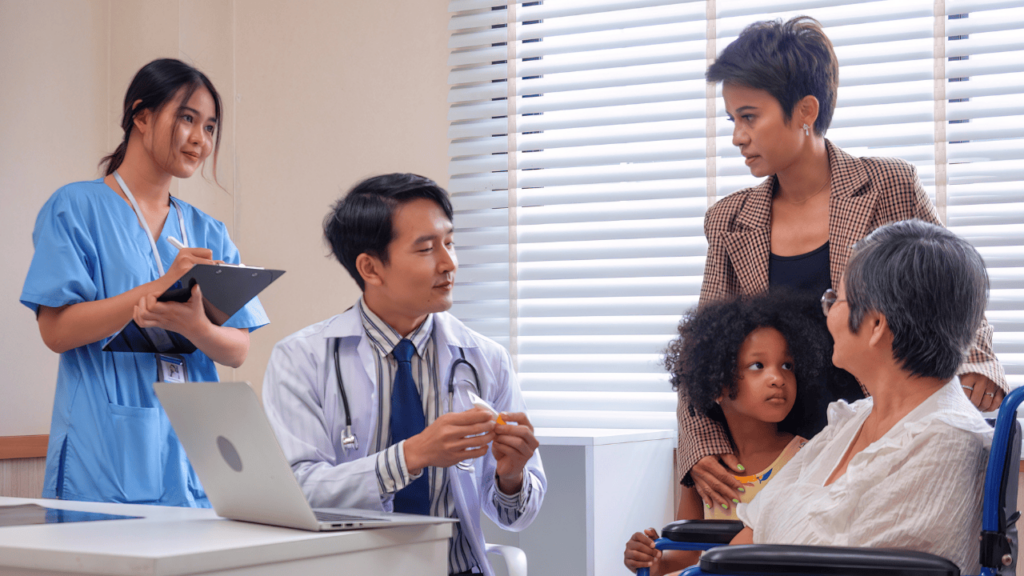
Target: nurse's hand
(450,439)
(512,449)
(185,318)
(185,260)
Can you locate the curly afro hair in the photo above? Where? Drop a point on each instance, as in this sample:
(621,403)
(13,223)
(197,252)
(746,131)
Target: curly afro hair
(702,361)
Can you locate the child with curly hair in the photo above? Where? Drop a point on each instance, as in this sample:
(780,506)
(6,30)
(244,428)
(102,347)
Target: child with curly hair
(739,361)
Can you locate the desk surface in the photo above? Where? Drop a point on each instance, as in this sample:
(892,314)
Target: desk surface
(598,436)
(180,541)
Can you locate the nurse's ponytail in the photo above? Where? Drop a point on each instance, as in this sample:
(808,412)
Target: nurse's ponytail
(156,84)
(114,160)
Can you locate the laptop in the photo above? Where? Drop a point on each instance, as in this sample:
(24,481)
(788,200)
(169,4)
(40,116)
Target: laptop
(234,451)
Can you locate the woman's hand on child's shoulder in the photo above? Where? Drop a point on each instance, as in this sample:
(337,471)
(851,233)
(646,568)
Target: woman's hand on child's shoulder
(716,484)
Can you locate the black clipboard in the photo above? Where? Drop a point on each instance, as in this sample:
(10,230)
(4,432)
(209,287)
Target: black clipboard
(226,289)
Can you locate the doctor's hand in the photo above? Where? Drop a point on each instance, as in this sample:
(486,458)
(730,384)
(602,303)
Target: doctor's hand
(185,318)
(450,439)
(513,447)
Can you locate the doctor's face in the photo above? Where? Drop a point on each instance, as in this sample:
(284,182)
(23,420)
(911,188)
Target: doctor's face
(420,273)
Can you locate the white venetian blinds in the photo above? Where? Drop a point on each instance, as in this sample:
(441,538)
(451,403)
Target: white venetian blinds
(985,154)
(580,214)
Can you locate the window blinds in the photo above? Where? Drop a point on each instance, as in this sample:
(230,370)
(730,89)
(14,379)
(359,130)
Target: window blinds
(580,214)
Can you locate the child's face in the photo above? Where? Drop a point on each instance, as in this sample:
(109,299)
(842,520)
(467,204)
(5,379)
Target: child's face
(766,384)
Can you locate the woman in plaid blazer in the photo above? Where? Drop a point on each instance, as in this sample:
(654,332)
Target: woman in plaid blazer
(779,86)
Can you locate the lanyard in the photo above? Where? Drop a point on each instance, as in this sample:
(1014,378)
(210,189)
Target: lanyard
(145,226)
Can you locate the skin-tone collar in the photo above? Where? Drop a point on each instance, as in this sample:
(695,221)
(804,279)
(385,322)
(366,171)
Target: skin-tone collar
(807,177)
(147,181)
(401,322)
(848,178)
(755,433)
(893,390)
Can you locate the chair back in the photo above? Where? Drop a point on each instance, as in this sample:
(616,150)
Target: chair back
(999,508)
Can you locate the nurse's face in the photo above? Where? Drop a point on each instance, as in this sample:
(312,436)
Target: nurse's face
(760,131)
(420,273)
(180,137)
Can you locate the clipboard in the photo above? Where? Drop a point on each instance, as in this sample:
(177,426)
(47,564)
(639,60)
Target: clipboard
(226,289)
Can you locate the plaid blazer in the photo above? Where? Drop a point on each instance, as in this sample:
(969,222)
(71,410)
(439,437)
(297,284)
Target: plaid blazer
(866,193)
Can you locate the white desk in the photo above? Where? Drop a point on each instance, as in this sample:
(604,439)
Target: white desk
(172,541)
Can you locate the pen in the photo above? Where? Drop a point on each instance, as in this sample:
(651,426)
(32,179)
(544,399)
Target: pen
(177,244)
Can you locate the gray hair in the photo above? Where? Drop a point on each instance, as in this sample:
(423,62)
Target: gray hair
(931,286)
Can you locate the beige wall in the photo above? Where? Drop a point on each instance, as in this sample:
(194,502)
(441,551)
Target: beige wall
(329,94)
(317,94)
(53,117)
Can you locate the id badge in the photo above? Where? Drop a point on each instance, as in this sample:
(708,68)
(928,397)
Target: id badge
(170,368)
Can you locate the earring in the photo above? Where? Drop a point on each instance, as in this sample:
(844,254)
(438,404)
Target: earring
(807,129)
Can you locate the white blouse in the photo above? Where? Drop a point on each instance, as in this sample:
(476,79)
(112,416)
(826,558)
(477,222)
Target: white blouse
(919,487)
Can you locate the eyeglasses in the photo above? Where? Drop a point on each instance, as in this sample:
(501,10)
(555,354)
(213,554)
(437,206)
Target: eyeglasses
(828,299)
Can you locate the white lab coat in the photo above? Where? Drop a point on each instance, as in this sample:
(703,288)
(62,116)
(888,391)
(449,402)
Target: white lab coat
(303,404)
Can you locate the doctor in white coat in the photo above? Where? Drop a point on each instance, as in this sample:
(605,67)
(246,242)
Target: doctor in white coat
(338,393)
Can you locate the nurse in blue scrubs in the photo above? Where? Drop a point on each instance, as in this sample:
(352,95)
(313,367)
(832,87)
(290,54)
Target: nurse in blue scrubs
(102,256)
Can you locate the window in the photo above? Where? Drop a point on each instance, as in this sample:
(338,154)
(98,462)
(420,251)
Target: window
(586,147)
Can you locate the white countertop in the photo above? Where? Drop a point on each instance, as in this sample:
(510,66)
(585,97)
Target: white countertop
(597,436)
(171,541)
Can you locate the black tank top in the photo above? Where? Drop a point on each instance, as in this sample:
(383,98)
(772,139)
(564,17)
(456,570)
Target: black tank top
(804,273)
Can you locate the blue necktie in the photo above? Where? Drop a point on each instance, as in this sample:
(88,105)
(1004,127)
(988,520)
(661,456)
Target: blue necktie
(407,421)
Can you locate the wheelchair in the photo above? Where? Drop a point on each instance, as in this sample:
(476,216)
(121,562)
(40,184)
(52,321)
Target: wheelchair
(998,531)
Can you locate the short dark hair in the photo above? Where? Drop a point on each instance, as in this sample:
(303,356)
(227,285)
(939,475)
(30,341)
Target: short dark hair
(932,287)
(703,360)
(360,221)
(788,60)
(153,87)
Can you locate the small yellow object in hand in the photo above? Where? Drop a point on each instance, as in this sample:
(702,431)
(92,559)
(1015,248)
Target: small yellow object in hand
(479,402)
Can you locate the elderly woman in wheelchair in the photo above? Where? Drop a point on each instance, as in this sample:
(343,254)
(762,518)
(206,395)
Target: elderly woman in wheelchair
(905,468)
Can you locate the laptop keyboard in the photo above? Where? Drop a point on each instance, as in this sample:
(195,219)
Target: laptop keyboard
(335,517)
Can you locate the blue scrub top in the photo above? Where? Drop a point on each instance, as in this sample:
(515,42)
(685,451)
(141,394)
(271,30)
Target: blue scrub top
(110,441)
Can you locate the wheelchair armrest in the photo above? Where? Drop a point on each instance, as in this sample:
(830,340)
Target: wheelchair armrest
(832,560)
(702,531)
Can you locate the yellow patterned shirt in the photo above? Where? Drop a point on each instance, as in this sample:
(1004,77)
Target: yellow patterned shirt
(753,484)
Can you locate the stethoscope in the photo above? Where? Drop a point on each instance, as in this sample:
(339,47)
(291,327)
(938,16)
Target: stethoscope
(349,441)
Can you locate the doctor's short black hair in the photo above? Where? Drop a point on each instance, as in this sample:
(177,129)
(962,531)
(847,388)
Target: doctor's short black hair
(360,221)
(702,361)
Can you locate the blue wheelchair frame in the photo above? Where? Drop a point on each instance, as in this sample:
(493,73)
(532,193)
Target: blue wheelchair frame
(998,542)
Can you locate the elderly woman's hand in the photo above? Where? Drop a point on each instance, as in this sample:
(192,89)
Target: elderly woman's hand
(984,393)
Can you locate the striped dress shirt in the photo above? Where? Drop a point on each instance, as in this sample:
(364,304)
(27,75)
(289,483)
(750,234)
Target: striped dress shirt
(392,473)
